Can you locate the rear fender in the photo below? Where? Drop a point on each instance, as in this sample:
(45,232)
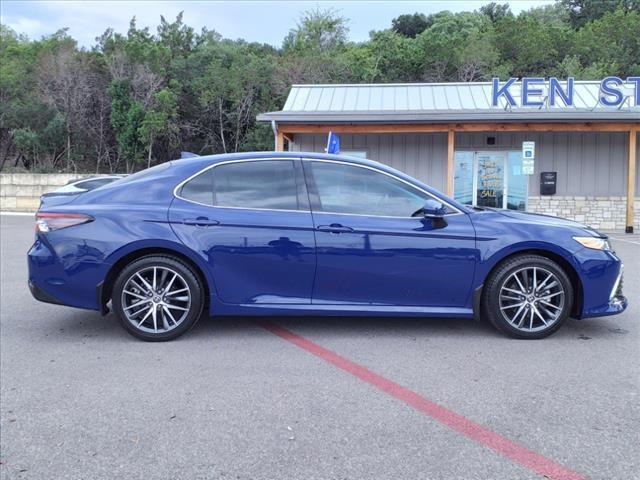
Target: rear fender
(160,246)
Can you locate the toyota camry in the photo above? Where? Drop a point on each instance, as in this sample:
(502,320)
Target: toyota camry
(311,234)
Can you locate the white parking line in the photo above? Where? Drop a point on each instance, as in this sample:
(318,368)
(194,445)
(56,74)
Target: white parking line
(626,240)
(18,214)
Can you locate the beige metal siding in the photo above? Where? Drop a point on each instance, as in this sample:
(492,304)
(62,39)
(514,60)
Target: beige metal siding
(421,155)
(587,163)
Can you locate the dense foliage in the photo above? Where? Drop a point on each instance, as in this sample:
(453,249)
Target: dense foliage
(140,98)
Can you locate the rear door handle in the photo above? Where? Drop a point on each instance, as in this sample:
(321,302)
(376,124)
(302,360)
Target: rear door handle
(334,228)
(200,222)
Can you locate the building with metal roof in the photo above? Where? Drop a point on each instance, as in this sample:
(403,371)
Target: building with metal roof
(442,102)
(461,137)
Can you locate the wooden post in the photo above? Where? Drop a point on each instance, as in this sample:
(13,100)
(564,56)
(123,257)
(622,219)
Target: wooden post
(451,138)
(279,141)
(631,178)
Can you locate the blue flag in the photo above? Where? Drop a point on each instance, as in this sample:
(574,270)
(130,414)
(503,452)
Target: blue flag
(333,143)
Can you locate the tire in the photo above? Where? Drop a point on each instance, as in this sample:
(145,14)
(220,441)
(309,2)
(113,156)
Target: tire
(514,307)
(165,313)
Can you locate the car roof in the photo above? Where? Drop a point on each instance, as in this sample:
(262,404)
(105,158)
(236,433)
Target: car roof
(213,159)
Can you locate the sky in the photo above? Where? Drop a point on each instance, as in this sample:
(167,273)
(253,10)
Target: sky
(259,21)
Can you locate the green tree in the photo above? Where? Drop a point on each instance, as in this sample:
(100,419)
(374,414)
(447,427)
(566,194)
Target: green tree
(457,46)
(127,116)
(160,121)
(411,25)
(138,97)
(531,44)
(495,11)
(387,57)
(319,31)
(582,12)
(614,41)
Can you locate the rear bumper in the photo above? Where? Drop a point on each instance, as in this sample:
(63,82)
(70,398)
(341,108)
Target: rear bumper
(63,281)
(41,295)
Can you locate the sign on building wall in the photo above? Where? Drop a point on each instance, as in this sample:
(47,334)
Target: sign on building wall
(539,92)
(528,157)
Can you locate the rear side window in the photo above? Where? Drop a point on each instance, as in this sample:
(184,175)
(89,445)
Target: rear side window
(269,184)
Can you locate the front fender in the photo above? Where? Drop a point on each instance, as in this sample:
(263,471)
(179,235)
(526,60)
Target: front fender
(490,257)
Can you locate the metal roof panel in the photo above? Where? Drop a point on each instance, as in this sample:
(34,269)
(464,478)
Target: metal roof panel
(439,100)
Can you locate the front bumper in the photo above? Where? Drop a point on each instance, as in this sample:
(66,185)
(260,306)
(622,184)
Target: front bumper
(616,301)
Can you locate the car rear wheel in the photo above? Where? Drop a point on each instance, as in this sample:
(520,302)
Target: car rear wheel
(528,296)
(158,298)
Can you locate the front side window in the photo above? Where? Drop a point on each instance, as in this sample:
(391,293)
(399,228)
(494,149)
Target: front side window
(355,190)
(266,184)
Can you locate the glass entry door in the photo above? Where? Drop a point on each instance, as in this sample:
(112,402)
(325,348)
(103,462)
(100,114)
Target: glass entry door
(490,179)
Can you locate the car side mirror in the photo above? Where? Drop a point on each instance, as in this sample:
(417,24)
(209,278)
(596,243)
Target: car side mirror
(431,209)
(434,211)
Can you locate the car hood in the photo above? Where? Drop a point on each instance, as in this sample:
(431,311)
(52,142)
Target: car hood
(541,219)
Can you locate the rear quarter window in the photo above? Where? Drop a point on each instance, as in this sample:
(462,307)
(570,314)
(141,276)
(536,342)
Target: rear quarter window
(199,189)
(261,184)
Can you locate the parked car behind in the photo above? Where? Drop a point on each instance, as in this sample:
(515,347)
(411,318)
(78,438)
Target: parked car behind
(75,187)
(292,233)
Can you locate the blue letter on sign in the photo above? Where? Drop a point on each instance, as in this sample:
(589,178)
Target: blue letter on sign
(504,90)
(556,89)
(527,90)
(607,89)
(636,80)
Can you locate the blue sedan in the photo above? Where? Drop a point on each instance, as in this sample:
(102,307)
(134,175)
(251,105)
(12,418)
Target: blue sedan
(311,234)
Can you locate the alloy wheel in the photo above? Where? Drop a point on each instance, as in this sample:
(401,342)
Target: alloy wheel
(532,299)
(156,299)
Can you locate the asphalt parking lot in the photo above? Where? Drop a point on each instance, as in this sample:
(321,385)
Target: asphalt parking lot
(326,398)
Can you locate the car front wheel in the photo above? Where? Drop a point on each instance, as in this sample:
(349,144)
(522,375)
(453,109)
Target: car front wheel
(528,296)
(157,298)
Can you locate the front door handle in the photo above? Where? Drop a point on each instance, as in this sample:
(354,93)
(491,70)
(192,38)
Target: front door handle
(334,228)
(200,222)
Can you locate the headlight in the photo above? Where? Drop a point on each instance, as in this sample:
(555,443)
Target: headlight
(595,243)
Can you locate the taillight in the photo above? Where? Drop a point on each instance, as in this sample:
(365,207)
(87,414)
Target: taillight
(48,222)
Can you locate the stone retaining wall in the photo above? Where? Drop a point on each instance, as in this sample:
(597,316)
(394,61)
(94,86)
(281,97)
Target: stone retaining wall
(20,192)
(604,213)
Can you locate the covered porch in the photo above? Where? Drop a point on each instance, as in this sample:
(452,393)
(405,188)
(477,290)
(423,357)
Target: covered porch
(451,137)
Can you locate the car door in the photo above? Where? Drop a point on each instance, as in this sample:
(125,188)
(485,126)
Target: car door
(372,251)
(250,221)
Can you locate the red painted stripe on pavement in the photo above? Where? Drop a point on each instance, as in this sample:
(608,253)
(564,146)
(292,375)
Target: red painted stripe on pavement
(509,449)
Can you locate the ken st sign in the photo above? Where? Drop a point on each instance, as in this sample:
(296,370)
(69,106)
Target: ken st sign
(538,92)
